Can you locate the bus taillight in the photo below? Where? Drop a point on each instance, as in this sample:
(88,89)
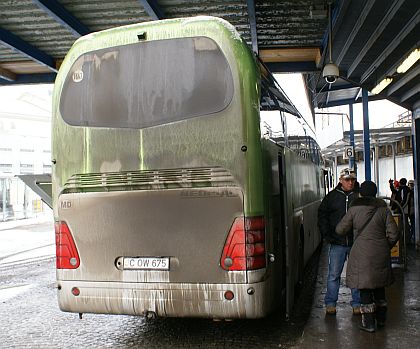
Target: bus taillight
(66,251)
(245,245)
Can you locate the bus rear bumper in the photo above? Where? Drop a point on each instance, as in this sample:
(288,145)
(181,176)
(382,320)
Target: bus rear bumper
(167,300)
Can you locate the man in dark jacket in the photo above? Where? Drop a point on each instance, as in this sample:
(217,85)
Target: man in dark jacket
(333,207)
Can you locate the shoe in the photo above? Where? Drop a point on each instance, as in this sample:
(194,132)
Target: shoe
(331,310)
(381,316)
(368,323)
(356,311)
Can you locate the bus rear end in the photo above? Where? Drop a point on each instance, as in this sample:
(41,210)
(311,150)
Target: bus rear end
(151,185)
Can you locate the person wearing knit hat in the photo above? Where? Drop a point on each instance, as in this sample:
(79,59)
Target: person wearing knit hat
(369,264)
(368,188)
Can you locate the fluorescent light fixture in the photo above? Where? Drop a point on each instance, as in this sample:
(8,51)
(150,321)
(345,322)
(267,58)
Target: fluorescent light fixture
(409,61)
(379,87)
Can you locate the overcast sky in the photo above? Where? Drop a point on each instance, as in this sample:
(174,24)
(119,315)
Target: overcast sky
(31,100)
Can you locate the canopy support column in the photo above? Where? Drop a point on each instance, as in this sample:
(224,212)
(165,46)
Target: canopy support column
(416,167)
(366,135)
(352,162)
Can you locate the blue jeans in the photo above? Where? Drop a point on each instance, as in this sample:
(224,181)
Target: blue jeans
(337,255)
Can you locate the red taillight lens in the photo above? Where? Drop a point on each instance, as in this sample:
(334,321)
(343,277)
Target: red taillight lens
(66,251)
(245,245)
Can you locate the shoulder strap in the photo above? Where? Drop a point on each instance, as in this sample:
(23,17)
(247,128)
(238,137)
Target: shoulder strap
(367,222)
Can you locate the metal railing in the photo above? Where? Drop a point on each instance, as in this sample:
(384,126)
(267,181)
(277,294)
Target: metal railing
(403,237)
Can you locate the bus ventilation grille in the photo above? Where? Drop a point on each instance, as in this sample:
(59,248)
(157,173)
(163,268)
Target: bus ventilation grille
(149,180)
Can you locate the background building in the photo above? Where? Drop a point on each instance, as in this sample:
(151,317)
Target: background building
(25,147)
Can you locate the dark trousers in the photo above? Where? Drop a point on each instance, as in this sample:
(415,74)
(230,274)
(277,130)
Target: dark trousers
(368,296)
(412,235)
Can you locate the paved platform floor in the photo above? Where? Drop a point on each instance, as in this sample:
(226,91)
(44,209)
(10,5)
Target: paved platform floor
(342,331)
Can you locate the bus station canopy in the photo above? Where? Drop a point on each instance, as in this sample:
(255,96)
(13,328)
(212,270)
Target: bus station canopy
(370,39)
(379,137)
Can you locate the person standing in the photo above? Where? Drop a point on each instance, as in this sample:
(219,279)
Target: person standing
(400,191)
(369,265)
(402,194)
(394,185)
(333,207)
(411,214)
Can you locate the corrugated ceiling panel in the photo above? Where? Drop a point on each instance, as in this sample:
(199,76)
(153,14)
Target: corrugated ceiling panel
(33,25)
(235,12)
(7,54)
(105,14)
(290,23)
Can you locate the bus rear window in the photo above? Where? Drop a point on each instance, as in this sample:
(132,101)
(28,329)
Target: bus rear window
(147,84)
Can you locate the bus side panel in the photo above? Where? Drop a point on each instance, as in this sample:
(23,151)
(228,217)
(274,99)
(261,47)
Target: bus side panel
(292,202)
(275,222)
(304,195)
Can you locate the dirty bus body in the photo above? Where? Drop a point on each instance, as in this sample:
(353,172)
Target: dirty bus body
(166,198)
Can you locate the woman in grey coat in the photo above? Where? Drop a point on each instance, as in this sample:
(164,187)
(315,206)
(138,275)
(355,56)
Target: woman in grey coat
(369,265)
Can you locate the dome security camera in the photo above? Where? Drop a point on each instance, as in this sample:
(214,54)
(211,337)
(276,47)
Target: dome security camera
(330,73)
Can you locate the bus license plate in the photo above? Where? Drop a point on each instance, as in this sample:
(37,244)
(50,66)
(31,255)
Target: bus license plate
(146,263)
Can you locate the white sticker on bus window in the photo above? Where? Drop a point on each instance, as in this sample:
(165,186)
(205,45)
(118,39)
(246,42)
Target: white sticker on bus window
(77,75)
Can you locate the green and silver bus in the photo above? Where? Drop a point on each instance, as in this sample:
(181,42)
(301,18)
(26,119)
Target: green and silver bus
(169,200)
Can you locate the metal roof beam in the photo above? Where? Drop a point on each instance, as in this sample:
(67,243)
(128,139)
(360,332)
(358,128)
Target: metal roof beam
(408,28)
(253,25)
(7,75)
(295,54)
(374,37)
(153,9)
(335,87)
(359,93)
(341,102)
(15,43)
(62,16)
(360,21)
(292,67)
(327,99)
(338,15)
(410,93)
(407,77)
(43,78)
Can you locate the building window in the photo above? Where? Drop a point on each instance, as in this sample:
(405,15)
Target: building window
(6,168)
(27,150)
(47,168)
(26,168)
